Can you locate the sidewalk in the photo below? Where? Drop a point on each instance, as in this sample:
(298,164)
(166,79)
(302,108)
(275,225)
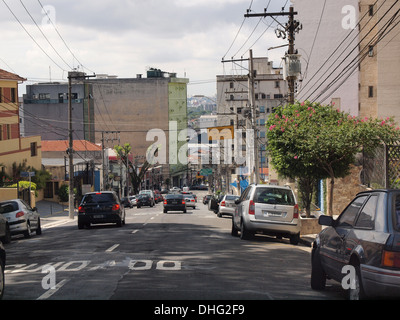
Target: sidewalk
(307,239)
(52,213)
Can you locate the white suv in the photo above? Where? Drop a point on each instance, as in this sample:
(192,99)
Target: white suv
(269,209)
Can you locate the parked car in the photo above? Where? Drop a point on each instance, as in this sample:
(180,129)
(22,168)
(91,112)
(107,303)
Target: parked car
(21,217)
(268,209)
(174,202)
(144,200)
(5,233)
(366,237)
(2,267)
(227,205)
(213,203)
(100,207)
(150,193)
(133,200)
(158,196)
(127,202)
(190,200)
(206,198)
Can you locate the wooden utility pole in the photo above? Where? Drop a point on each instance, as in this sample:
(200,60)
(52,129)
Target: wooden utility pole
(252,101)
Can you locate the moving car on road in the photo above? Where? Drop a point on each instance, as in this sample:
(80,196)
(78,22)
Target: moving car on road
(21,218)
(144,200)
(190,200)
(174,202)
(365,239)
(150,193)
(268,209)
(100,207)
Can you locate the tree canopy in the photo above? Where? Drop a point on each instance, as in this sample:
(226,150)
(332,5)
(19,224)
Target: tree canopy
(314,141)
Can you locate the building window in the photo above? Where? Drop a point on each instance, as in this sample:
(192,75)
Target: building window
(231,85)
(33,149)
(44,96)
(13,95)
(1,132)
(371,10)
(371,51)
(277,84)
(370,92)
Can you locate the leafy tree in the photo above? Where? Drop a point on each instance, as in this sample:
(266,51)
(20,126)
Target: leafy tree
(310,141)
(136,178)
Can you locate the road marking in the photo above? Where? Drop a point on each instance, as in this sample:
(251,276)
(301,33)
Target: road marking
(50,292)
(134,231)
(112,248)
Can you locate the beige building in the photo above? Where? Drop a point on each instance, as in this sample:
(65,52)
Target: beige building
(380,60)
(14,148)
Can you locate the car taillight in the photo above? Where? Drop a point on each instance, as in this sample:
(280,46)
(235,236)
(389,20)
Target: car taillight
(165,201)
(252,208)
(391,259)
(81,209)
(19,214)
(183,202)
(296,211)
(222,203)
(115,207)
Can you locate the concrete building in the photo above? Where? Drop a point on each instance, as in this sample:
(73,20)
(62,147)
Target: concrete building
(233,107)
(110,111)
(380,64)
(327,44)
(13,147)
(45,110)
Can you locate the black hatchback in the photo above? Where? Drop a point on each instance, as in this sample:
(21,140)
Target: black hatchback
(144,200)
(174,202)
(361,248)
(100,207)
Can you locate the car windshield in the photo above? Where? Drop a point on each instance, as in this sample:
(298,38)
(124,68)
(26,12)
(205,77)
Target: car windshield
(9,206)
(97,198)
(174,196)
(274,196)
(232,198)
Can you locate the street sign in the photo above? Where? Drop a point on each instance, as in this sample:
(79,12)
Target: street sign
(206,172)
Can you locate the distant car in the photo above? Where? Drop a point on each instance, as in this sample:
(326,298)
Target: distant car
(206,198)
(174,202)
(190,200)
(144,200)
(150,193)
(100,207)
(157,196)
(227,205)
(175,189)
(127,202)
(269,209)
(5,234)
(366,237)
(133,200)
(2,267)
(21,217)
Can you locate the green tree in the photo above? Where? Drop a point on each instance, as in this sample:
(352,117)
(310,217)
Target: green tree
(310,141)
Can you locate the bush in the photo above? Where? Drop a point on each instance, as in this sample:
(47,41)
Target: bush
(63,193)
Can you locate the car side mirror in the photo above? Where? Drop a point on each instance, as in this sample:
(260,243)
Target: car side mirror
(237,201)
(34,209)
(326,221)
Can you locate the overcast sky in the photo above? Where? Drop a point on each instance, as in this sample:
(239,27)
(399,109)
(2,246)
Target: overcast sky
(125,37)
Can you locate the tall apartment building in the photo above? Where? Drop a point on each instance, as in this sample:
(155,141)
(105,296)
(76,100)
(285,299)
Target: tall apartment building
(108,110)
(233,104)
(380,66)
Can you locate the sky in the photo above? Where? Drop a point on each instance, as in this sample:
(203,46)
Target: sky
(126,37)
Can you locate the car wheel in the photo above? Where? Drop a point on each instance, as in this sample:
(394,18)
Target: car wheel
(294,239)
(318,276)
(28,231)
(234,231)
(244,233)
(7,237)
(81,225)
(39,228)
(184,211)
(138,207)
(2,285)
(165,211)
(356,292)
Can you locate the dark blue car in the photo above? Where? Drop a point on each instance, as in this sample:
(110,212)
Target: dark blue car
(361,248)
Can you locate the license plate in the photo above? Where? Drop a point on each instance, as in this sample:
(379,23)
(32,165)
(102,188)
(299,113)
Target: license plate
(174,202)
(272,214)
(98,216)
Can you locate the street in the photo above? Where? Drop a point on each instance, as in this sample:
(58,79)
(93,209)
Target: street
(158,256)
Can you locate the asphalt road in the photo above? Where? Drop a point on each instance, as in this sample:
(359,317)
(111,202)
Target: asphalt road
(158,256)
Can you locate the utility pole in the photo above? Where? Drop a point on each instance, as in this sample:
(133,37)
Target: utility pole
(72,75)
(252,100)
(292,59)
